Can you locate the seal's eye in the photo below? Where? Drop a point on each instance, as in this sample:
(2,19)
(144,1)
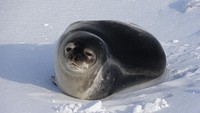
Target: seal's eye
(89,53)
(69,47)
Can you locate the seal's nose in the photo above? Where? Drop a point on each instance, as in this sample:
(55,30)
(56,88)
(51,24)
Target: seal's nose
(78,55)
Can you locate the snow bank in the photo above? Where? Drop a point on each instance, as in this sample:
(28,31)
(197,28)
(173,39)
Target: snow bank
(92,107)
(157,105)
(68,108)
(185,5)
(96,107)
(193,4)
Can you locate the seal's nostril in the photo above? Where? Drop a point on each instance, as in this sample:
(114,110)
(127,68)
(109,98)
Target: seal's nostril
(78,57)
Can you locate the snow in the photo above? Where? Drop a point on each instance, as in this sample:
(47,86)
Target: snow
(151,107)
(92,107)
(29,31)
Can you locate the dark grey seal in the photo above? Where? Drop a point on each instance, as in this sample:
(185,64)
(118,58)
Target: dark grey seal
(95,58)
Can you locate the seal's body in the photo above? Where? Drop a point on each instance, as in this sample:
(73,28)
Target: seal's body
(96,57)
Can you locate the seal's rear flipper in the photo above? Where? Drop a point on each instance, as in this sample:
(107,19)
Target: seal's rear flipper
(53,80)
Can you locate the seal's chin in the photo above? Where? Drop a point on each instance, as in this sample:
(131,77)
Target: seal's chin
(78,67)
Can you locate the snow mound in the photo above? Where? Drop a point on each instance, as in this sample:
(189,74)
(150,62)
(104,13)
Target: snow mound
(92,107)
(68,108)
(193,4)
(185,5)
(151,107)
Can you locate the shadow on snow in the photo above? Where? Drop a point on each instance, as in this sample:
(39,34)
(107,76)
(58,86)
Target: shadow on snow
(28,64)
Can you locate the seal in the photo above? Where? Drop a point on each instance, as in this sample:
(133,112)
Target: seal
(95,58)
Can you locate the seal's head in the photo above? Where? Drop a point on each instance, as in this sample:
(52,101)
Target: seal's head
(79,61)
(83,51)
(81,54)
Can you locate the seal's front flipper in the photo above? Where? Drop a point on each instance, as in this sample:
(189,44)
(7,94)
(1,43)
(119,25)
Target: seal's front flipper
(53,80)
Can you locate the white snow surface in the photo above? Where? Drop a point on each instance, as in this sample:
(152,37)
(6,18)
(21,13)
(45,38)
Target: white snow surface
(29,31)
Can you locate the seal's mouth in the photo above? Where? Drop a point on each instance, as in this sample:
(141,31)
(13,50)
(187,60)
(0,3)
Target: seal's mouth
(78,67)
(74,64)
